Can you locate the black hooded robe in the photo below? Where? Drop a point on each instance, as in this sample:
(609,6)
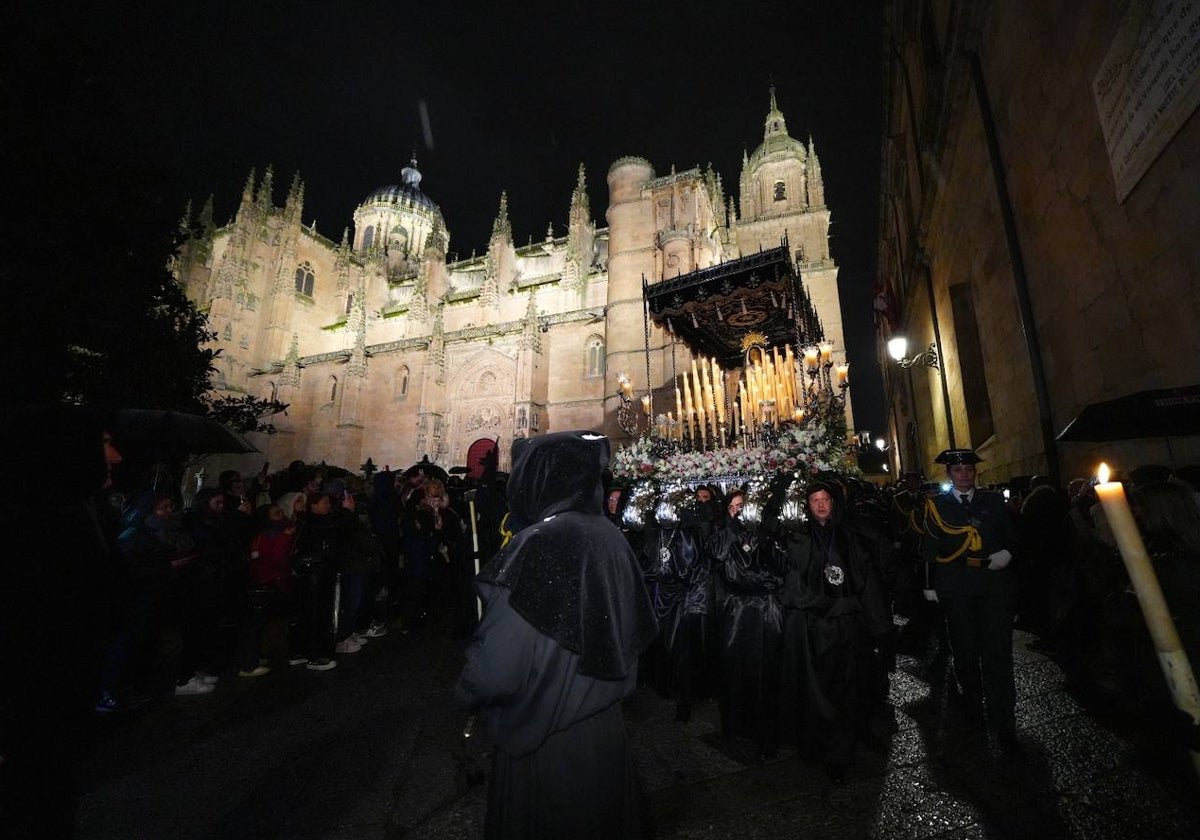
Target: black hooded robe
(749,571)
(831,622)
(566,617)
(679,587)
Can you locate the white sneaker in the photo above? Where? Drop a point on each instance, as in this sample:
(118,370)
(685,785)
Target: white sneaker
(194,686)
(376,630)
(207,678)
(347,645)
(360,638)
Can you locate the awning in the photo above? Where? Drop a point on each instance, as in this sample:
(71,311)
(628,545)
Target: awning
(1169,412)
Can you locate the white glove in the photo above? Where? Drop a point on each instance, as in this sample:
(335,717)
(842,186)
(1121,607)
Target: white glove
(999,560)
(930,595)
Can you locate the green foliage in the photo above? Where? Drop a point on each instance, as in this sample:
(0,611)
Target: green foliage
(244,413)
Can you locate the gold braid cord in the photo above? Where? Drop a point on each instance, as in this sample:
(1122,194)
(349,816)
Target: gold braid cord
(972,540)
(504,532)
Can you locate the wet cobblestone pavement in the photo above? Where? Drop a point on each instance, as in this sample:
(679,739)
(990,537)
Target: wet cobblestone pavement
(373,750)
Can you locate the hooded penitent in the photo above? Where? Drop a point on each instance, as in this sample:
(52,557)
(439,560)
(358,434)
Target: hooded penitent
(570,570)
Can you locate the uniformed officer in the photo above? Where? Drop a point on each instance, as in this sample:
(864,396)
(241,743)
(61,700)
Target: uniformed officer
(967,552)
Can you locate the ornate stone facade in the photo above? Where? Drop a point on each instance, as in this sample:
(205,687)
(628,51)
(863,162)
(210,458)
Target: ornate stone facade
(384,349)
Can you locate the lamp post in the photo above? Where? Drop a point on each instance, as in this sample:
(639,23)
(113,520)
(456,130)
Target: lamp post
(929,357)
(898,350)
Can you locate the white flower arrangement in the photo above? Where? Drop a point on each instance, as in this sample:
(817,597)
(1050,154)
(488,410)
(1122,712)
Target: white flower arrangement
(801,450)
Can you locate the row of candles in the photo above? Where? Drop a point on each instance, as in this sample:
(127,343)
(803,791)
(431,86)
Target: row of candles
(768,395)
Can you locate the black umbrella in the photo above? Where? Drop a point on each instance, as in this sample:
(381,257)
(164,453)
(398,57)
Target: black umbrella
(1169,412)
(430,469)
(175,432)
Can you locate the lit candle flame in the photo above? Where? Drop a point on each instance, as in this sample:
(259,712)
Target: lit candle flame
(1102,473)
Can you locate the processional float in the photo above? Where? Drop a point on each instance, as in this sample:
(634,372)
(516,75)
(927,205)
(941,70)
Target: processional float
(757,399)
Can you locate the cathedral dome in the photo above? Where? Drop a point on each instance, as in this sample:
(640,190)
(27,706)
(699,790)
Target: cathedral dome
(399,194)
(398,218)
(406,192)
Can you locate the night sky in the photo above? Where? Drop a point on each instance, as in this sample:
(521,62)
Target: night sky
(120,117)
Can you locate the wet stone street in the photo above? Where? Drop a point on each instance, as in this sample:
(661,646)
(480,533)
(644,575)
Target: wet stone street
(373,749)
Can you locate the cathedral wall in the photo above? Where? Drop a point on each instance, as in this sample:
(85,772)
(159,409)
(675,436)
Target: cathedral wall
(391,407)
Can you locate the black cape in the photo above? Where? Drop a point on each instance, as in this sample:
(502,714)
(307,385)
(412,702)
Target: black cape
(566,618)
(834,610)
(749,568)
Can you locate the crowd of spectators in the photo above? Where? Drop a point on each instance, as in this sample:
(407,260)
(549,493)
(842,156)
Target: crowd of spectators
(297,569)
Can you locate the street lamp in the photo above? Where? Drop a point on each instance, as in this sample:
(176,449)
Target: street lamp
(898,349)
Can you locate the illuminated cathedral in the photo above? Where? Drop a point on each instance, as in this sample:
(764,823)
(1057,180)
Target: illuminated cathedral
(384,349)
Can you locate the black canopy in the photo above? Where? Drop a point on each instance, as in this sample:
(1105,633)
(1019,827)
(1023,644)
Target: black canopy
(713,308)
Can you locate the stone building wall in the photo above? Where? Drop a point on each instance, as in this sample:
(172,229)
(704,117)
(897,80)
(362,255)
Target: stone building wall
(1113,284)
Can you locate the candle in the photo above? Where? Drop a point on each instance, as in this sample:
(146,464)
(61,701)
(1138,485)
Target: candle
(811,358)
(798,415)
(736,419)
(646,405)
(1171,656)
(719,381)
(719,389)
(625,385)
(678,402)
(826,352)
(843,375)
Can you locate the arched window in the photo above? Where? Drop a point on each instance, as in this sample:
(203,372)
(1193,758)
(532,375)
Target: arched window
(368,237)
(305,279)
(333,383)
(780,191)
(398,240)
(593,364)
(402,381)
(522,419)
(349,302)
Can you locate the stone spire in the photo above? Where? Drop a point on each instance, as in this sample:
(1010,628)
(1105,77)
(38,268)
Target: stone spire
(185,221)
(580,207)
(294,206)
(502,228)
(291,364)
(531,332)
(581,237)
(816,182)
(341,262)
(489,292)
(248,189)
(437,241)
(205,220)
(356,323)
(418,305)
(775,123)
(264,198)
